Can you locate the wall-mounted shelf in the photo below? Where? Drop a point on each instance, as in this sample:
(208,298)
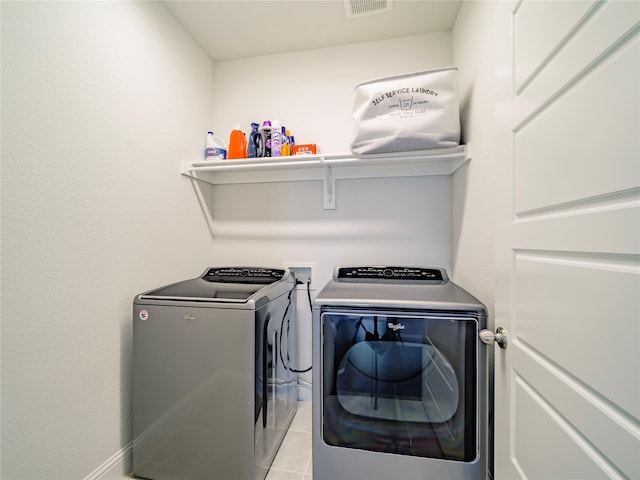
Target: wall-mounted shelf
(327,168)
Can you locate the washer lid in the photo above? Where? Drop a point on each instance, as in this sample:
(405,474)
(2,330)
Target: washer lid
(219,284)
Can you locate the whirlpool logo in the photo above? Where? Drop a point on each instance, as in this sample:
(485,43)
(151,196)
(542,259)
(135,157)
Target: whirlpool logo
(395,326)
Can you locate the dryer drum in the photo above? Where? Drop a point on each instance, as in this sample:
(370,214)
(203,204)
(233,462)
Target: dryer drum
(397,381)
(400,383)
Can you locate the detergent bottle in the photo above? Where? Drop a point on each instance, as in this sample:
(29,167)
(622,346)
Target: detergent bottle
(276,139)
(286,146)
(265,132)
(214,148)
(237,143)
(254,149)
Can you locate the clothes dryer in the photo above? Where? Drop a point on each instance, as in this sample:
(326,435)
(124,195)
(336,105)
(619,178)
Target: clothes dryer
(214,390)
(400,382)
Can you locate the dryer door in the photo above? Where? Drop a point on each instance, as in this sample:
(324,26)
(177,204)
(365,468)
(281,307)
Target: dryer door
(401,382)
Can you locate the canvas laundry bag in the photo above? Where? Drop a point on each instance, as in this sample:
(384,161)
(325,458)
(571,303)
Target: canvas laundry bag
(415,111)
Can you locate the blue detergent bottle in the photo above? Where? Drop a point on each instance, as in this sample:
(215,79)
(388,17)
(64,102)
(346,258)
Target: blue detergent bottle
(255,140)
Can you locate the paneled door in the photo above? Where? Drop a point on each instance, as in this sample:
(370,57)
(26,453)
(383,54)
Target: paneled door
(567,385)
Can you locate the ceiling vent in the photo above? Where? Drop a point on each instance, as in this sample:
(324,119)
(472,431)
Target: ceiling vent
(362,8)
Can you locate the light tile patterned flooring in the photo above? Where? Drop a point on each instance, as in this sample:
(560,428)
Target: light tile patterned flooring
(293,461)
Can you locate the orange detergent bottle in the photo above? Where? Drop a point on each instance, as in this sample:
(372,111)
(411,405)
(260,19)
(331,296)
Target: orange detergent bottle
(237,143)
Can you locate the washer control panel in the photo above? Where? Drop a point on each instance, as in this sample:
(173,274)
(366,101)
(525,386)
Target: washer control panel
(390,273)
(243,275)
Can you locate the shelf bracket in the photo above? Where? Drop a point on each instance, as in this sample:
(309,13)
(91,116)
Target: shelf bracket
(328,186)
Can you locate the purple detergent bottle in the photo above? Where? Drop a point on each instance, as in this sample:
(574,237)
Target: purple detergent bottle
(265,132)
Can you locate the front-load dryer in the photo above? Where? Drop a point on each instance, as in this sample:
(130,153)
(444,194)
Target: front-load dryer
(214,390)
(400,380)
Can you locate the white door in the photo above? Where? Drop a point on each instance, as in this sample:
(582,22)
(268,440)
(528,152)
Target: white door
(568,259)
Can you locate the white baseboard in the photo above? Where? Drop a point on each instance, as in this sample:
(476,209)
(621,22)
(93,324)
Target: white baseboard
(117,467)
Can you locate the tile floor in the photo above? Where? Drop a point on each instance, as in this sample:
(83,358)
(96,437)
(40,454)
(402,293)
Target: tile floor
(293,461)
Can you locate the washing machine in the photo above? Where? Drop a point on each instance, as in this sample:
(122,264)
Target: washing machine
(214,390)
(400,377)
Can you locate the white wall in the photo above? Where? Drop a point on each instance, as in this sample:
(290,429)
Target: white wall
(311,92)
(100,100)
(401,221)
(474,184)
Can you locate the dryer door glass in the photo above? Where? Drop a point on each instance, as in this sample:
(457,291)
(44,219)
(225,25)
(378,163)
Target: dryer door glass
(400,383)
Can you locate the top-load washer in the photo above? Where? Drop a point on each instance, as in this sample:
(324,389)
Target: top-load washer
(400,379)
(214,390)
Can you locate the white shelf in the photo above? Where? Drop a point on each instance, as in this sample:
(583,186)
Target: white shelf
(327,168)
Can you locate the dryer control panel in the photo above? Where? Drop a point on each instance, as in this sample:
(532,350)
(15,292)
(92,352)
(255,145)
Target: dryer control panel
(243,275)
(382,273)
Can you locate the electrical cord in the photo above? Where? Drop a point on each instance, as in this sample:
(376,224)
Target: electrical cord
(298,282)
(309,295)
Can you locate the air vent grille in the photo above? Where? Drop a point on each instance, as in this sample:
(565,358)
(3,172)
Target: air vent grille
(361,8)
